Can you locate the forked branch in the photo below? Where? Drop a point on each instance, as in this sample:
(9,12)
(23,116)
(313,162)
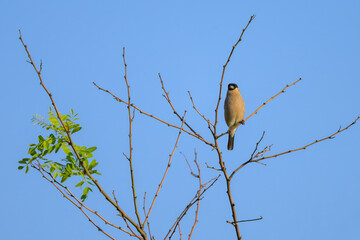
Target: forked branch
(308,145)
(196,198)
(201,186)
(154,117)
(167,97)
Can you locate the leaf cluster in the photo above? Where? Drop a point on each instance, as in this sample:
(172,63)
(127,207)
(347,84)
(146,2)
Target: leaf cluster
(43,151)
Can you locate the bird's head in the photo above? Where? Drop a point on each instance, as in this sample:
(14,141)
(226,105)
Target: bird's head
(232,86)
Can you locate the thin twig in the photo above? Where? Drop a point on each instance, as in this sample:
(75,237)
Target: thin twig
(251,158)
(148,223)
(248,220)
(282,91)
(69,193)
(217,169)
(86,171)
(225,65)
(180,232)
(262,105)
(199,191)
(127,224)
(196,198)
(167,97)
(203,116)
(130,144)
(166,170)
(312,143)
(191,171)
(117,203)
(262,152)
(39,168)
(152,116)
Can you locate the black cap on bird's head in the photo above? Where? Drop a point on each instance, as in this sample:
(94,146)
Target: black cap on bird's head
(232,86)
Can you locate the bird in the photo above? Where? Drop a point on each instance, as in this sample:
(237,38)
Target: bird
(234,111)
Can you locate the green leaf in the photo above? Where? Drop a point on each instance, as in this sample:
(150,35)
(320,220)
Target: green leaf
(76,129)
(44,153)
(55,174)
(41,139)
(86,190)
(57,147)
(85,193)
(79,184)
(20,167)
(65,117)
(91,149)
(69,158)
(93,164)
(65,149)
(24,160)
(54,121)
(27,169)
(46,145)
(52,138)
(64,178)
(32,151)
(68,168)
(52,147)
(40,147)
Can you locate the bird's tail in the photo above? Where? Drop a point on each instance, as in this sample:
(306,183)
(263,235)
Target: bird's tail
(230,145)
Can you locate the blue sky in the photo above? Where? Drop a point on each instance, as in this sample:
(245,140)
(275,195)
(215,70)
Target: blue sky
(312,194)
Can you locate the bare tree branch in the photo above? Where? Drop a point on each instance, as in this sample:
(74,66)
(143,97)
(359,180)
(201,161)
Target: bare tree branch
(262,105)
(167,97)
(308,145)
(191,171)
(180,237)
(148,223)
(199,191)
(69,193)
(39,168)
(166,170)
(216,169)
(282,91)
(248,220)
(196,198)
(130,144)
(203,116)
(127,224)
(152,116)
(224,68)
(251,158)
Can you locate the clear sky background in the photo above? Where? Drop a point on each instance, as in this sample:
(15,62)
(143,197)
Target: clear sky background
(312,194)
